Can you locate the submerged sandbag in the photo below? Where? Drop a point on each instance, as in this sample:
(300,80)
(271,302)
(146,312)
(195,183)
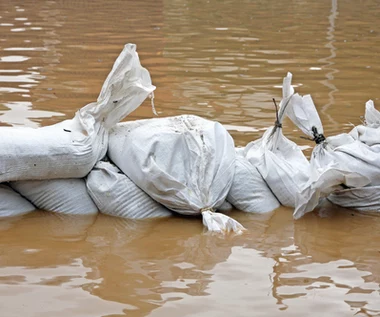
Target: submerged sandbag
(185,163)
(280,161)
(71,148)
(12,203)
(362,199)
(322,184)
(116,195)
(65,196)
(369,132)
(334,163)
(249,191)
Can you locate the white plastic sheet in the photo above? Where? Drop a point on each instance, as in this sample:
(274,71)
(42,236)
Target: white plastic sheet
(185,163)
(249,191)
(12,204)
(65,196)
(71,148)
(116,195)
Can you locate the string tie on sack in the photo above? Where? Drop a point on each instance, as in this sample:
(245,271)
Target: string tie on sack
(318,138)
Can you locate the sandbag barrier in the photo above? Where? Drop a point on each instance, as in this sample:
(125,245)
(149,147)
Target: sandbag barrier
(184,164)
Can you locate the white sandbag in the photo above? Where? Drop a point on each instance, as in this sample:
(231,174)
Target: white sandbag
(361,199)
(116,195)
(185,163)
(372,116)
(225,207)
(330,168)
(280,161)
(66,196)
(369,133)
(321,184)
(249,191)
(71,148)
(12,203)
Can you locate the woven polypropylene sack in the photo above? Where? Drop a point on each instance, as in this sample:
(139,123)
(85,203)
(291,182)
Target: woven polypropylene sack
(71,148)
(249,191)
(280,161)
(12,203)
(66,196)
(362,199)
(185,163)
(116,195)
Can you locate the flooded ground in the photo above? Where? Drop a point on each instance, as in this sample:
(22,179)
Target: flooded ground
(223,60)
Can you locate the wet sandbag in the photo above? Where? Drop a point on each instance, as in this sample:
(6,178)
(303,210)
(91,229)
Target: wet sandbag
(12,203)
(365,199)
(116,195)
(330,168)
(280,161)
(369,132)
(249,191)
(322,184)
(65,196)
(186,163)
(371,115)
(343,152)
(71,148)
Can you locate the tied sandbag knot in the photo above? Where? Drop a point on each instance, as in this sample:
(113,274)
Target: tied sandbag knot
(210,209)
(318,137)
(277,124)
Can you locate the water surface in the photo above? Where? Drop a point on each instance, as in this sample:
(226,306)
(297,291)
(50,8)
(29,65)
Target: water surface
(223,60)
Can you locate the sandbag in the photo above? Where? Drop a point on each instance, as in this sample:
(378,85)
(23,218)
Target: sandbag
(280,161)
(335,162)
(185,163)
(249,191)
(322,184)
(116,195)
(65,196)
(12,203)
(71,148)
(225,207)
(369,133)
(372,116)
(365,199)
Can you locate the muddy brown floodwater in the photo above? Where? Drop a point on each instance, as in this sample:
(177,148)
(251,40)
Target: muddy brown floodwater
(223,60)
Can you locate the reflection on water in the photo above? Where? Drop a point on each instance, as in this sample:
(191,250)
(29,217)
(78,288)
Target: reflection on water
(161,267)
(328,61)
(21,114)
(224,60)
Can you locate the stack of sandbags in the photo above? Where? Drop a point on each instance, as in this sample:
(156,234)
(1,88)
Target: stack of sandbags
(186,163)
(116,195)
(69,150)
